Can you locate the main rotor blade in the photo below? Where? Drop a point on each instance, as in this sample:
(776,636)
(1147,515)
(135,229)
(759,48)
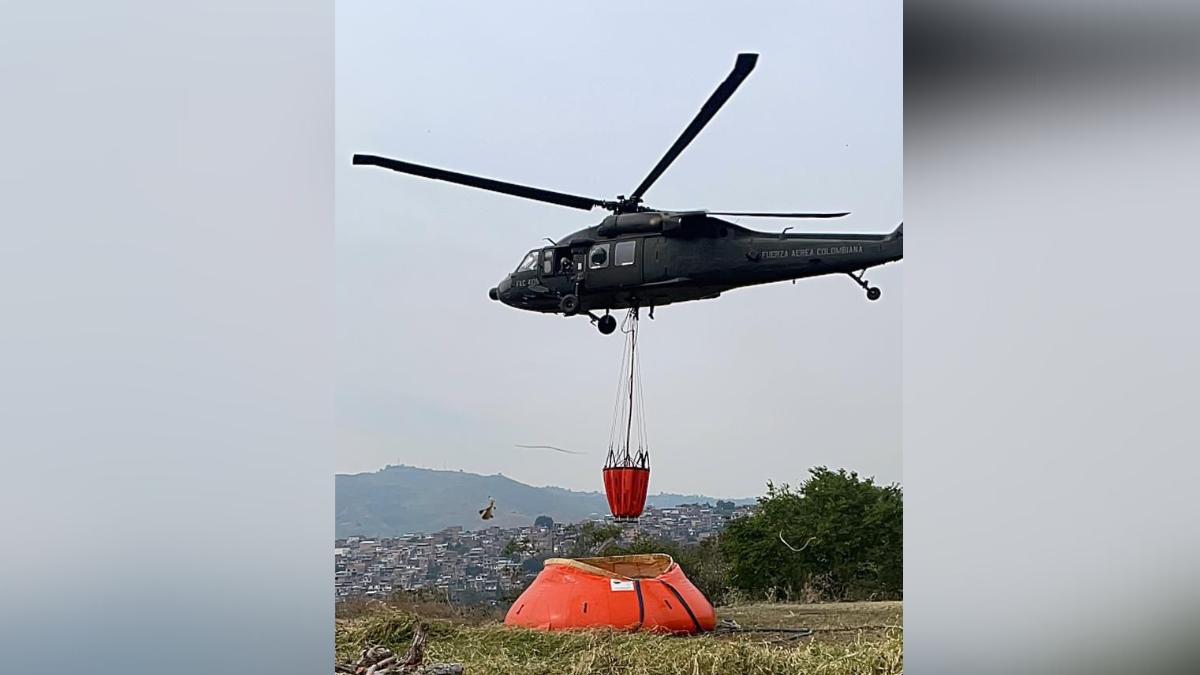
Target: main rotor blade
(538,194)
(743,66)
(761,214)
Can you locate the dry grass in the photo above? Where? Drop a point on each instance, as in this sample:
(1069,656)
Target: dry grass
(838,647)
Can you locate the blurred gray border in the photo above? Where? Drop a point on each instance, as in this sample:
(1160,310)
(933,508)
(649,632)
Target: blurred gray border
(166,283)
(166,276)
(1051,333)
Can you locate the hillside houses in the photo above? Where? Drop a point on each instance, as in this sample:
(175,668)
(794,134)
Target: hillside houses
(484,565)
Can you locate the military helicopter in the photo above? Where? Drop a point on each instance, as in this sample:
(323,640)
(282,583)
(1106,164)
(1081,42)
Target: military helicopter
(643,257)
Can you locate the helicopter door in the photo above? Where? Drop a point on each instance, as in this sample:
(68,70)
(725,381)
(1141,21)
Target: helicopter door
(654,259)
(557,270)
(615,264)
(557,262)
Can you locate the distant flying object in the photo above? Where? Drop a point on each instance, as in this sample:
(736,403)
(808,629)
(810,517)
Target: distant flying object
(550,447)
(486,513)
(644,257)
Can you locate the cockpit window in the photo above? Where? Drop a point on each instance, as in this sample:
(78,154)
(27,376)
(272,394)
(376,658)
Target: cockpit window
(529,262)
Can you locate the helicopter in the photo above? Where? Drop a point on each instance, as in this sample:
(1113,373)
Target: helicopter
(643,257)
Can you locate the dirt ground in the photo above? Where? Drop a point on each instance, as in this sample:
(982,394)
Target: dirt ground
(842,621)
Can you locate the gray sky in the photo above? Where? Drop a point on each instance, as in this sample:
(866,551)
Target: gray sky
(759,384)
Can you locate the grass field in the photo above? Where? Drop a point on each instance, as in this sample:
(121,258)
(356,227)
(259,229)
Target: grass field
(847,638)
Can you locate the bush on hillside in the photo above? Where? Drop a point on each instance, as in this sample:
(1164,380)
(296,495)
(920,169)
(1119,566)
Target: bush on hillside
(848,533)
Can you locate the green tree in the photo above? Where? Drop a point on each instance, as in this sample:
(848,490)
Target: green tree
(543,521)
(534,565)
(838,537)
(593,538)
(514,549)
(701,562)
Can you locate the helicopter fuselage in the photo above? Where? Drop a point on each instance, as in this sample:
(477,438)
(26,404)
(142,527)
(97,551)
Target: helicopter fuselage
(654,259)
(643,257)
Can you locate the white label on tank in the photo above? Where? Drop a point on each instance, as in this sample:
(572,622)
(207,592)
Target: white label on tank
(618,585)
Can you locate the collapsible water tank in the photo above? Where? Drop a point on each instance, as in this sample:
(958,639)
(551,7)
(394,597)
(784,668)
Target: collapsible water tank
(647,592)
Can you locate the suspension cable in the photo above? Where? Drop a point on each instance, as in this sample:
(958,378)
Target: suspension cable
(618,409)
(632,387)
(643,438)
(629,405)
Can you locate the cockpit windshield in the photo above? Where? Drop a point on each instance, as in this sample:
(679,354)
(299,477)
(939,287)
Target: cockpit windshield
(529,262)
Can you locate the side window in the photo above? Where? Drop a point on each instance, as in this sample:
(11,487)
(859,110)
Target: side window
(548,261)
(598,257)
(623,253)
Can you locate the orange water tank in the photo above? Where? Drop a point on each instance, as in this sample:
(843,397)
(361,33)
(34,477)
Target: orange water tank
(632,592)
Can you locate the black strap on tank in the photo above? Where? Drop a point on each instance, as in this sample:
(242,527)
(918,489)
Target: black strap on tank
(683,602)
(637,586)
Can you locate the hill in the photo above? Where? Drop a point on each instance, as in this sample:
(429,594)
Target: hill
(398,500)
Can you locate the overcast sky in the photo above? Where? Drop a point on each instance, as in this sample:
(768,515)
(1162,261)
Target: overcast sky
(758,385)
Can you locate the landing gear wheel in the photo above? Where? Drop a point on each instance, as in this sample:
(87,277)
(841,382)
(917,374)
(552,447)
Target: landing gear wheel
(569,304)
(872,292)
(607,324)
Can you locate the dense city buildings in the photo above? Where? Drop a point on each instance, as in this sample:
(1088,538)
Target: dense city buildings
(487,564)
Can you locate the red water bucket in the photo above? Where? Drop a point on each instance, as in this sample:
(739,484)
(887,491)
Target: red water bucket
(626,490)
